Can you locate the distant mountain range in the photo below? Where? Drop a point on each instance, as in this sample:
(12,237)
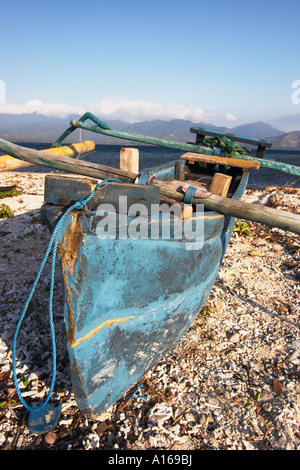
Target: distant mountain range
(39,128)
(288,141)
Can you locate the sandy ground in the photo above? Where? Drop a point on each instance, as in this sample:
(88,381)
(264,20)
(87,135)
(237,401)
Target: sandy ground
(232,382)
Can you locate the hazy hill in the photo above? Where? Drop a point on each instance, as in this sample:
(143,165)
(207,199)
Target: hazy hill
(38,128)
(257,130)
(176,129)
(288,141)
(31,127)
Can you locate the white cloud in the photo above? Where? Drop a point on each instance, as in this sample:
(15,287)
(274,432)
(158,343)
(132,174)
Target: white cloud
(36,106)
(120,108)
(287,122)
(134,111)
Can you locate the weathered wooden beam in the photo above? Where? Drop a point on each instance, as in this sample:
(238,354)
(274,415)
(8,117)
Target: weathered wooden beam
(226,206)
(240,209)
(61,162)
(254,212)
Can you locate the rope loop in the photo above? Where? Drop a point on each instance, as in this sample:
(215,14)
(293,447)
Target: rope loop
(145,178)
(62,148)
(80,204)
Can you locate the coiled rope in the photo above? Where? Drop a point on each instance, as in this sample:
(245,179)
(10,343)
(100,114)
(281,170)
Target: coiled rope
(80,204)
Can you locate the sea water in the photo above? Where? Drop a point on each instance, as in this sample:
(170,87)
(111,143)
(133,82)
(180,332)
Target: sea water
(149,156)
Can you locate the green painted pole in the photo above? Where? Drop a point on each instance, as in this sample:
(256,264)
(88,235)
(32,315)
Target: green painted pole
(101,127)
(273,165)
(279,166)
(143,138)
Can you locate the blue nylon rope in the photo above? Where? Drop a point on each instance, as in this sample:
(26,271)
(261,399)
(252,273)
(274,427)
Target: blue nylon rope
(80,204)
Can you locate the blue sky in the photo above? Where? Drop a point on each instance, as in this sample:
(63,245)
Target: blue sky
(223,62)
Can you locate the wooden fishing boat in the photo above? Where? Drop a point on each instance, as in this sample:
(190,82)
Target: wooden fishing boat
(141,254)
(131,296)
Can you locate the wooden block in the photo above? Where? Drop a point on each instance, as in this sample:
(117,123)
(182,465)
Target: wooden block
(240,163)
(220,184)
(179,171)
(129,159)
(187,211)
(64,190)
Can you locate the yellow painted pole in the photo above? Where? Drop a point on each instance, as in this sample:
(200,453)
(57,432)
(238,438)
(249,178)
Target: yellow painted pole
(8,163)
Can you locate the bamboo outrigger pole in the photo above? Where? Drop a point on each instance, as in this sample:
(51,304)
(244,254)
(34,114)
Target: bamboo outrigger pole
(225,206)
(7,162)
(62,162)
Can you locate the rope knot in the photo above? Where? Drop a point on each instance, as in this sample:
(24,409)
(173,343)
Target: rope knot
(81,204)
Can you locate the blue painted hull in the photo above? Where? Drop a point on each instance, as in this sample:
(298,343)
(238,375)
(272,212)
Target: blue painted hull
(128,301)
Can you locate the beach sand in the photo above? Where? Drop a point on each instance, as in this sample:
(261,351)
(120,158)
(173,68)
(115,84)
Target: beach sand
(231,383)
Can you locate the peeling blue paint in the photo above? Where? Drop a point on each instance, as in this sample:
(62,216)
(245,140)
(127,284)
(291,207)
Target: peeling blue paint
(128,302)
